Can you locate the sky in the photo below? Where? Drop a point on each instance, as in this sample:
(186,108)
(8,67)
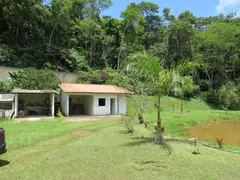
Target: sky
(198,7)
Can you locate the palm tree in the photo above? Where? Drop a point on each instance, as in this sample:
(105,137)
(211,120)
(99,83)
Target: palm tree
(162,80)
(184,87)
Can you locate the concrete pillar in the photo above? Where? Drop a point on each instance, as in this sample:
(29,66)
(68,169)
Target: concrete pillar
(53,103)
(16,105)
(67,108)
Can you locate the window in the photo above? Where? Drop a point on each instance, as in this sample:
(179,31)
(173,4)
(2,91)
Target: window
(101,102)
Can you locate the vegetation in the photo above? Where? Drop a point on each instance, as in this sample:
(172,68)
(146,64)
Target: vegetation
(180,56)
(61,154)
(30,78)
(72,36)
(128,122)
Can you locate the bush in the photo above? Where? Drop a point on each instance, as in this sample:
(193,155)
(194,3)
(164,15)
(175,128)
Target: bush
(92,77)
(211,97)
(228,96)
(119,79)
(5,88)
(204,85)
(128,122)
(30,78)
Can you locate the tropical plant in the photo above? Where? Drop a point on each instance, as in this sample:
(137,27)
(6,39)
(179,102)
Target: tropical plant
(196,146)
(220,142)
(128,122)
(163,81)
(184,87)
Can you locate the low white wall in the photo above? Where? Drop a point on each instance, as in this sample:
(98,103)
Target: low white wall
(5,113)
(64,103)
(122,109)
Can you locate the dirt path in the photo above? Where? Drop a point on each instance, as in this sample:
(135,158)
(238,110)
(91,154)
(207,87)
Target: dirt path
(90,118)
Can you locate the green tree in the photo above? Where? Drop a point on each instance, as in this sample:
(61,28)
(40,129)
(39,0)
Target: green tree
(163,81)
(228,95)
(132,27)
(30,78)
(183,89)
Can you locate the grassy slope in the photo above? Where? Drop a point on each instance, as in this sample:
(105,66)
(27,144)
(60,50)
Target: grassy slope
(110,154)
(195,111)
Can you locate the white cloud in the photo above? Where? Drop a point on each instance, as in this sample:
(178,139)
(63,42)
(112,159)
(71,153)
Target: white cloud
(223,4)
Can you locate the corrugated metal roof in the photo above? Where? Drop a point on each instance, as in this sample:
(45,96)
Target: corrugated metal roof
(28,91)
(93,88)
(6,97)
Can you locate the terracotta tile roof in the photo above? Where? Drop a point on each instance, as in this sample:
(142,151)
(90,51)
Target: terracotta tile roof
(93,88)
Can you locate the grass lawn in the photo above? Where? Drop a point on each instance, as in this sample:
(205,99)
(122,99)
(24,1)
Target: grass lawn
(108,153)
(50,150)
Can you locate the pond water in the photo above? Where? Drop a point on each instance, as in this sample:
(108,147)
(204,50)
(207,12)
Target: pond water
(228,130)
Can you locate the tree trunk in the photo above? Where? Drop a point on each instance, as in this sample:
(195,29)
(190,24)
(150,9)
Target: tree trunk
(159,130)
(119,54)
(120,48)
(159,111)
(86,47)
(209,79)
(91,60)
(51,35)
(181,108)
(159,137)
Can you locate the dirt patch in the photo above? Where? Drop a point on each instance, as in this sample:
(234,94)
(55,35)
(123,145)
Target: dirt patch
(91,118)
(82,132)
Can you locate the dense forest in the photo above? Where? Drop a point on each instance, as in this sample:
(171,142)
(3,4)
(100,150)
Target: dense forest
(70,35)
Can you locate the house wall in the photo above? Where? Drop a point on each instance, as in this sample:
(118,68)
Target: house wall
(64,103)
(90,101)
(103,110)
(122,108)
(89,105)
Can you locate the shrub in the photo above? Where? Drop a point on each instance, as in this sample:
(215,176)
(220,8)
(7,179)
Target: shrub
(228,96)
(128,122)
(4,87)
(211,97)
(119,79)
(30,78)
(92,77)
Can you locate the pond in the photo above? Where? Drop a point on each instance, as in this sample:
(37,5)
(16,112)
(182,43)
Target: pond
(229,130)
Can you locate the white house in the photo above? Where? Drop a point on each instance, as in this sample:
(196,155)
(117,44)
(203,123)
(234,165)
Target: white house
(92,99)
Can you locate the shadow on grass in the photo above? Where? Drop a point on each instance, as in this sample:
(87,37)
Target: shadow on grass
(3,163)
(167,147)
(139,141)
(144,140)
